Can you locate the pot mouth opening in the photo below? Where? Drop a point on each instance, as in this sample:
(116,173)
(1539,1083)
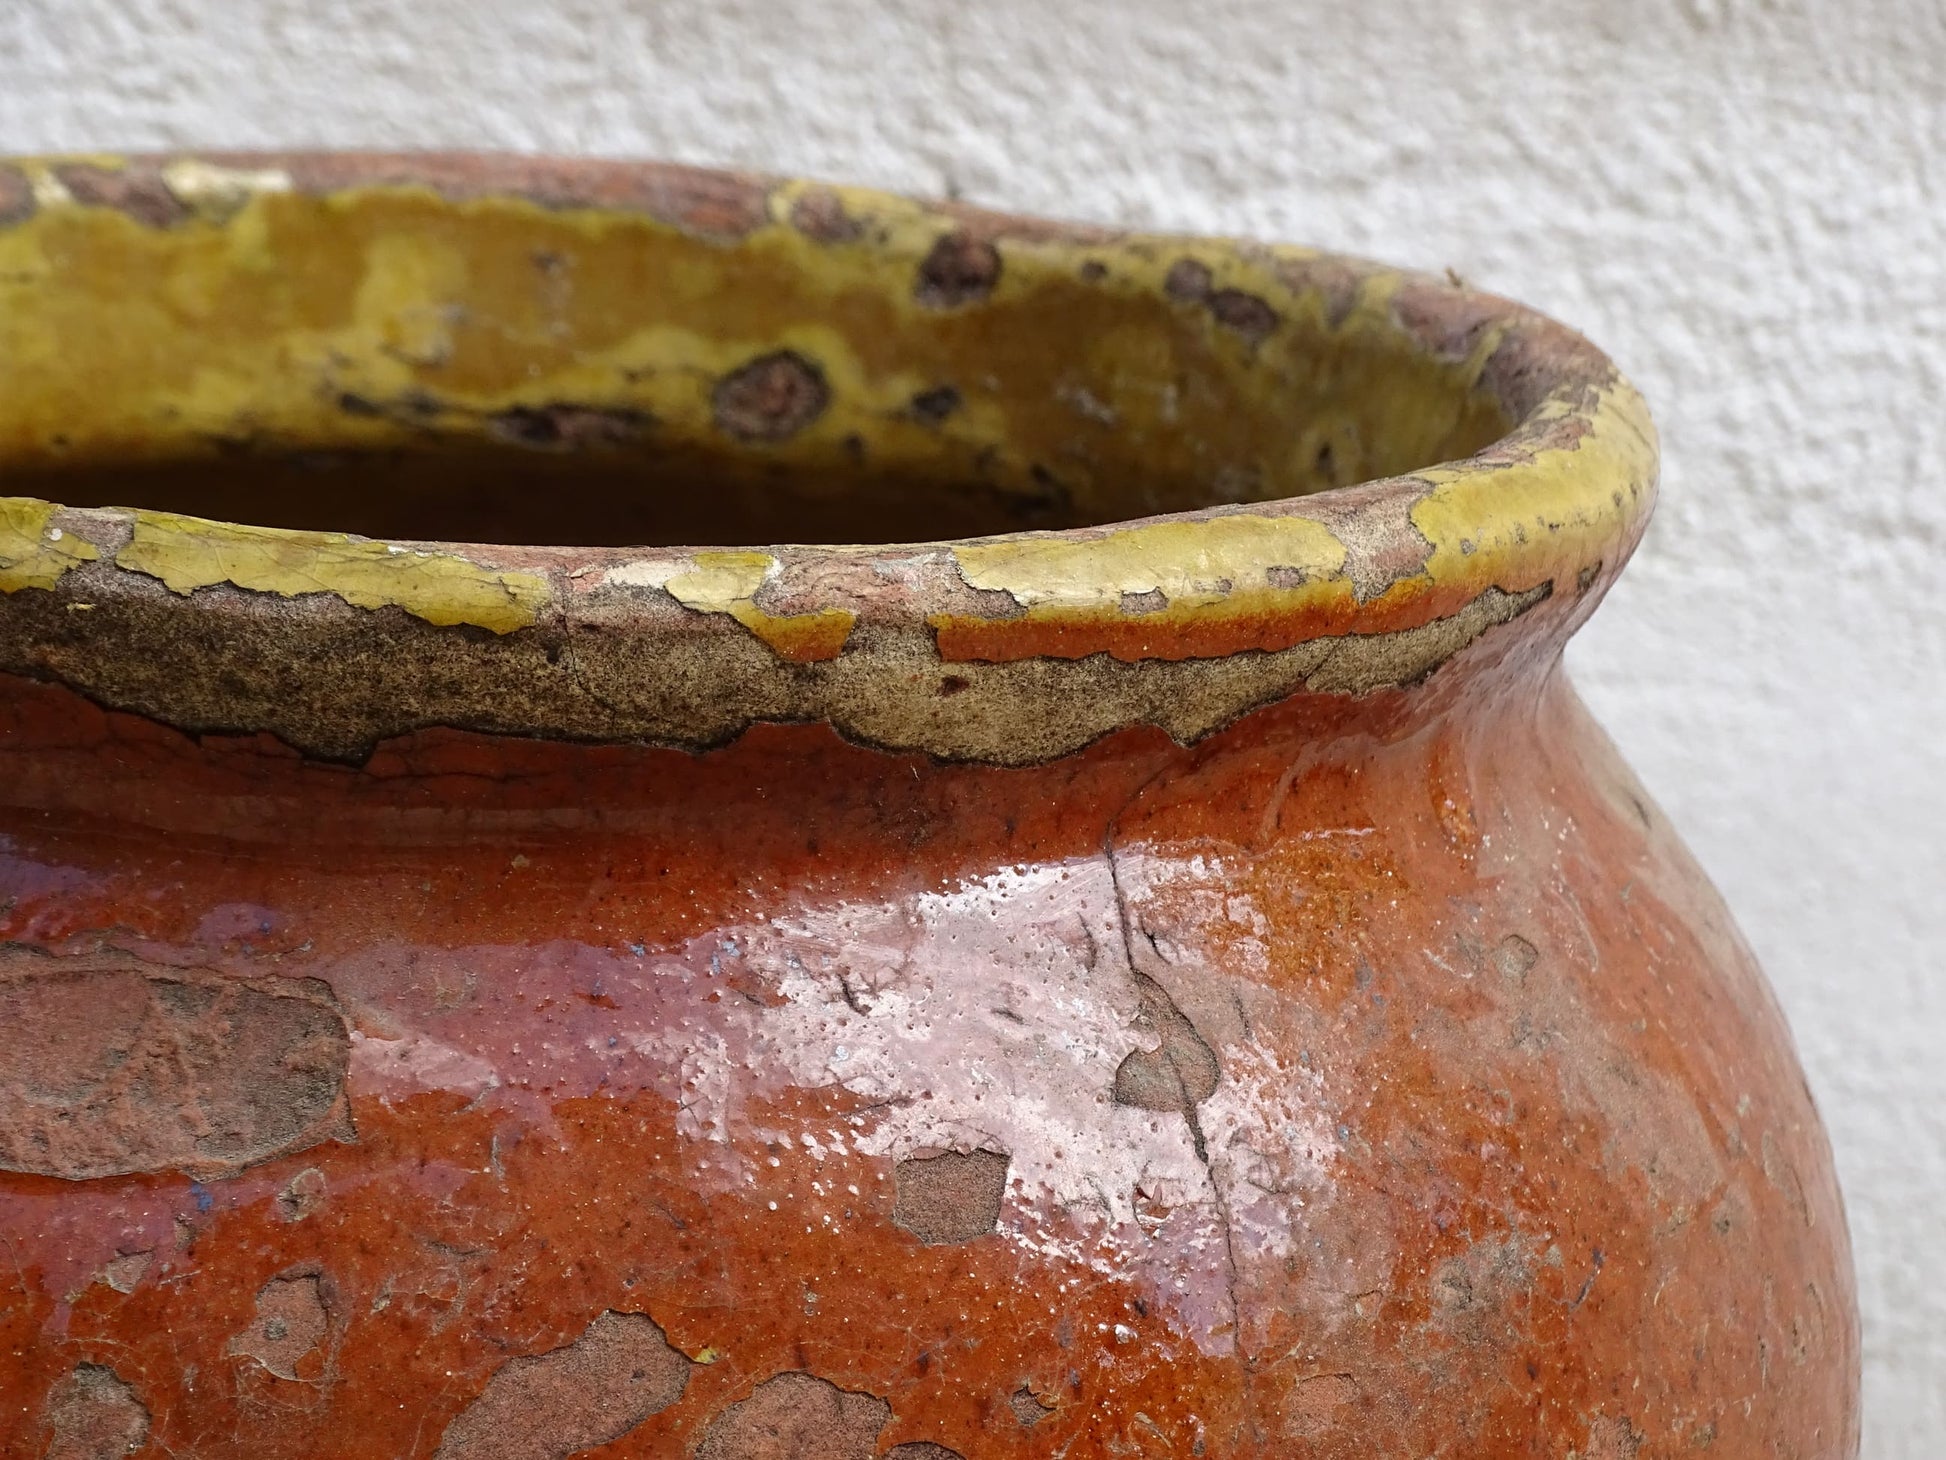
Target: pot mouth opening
(392,359)
(571,474)
(568,474)
(339,446)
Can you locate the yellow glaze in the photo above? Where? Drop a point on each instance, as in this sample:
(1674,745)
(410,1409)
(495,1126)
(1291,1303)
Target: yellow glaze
(1212,569)
(272,317)
(1559,509)
(727,582)
(441,588)
(34,553)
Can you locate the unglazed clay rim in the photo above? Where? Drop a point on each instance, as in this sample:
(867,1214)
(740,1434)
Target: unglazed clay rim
(1015,648)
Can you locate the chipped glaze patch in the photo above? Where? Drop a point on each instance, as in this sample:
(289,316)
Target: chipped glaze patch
(439,587)
(290,1327)
(797,1414)
(113,1067)
(552,1405)
(96,1414)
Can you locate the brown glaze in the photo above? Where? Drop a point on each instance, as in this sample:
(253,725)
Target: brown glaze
(1515,1154)
(1354,1067)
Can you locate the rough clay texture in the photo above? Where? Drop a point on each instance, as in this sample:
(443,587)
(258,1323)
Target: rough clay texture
(1740,201)
(587,1393)
(94,1415)
(951,1197)
(290,1325)
(109,1070)
(797,1417)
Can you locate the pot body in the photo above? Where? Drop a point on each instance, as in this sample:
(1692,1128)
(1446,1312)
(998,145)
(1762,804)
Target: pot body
(1377,1076)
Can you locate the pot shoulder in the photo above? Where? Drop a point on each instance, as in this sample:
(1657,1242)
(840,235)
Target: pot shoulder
(1388,1082)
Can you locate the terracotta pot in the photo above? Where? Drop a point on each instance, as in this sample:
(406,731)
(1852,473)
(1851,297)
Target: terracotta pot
(1158,963)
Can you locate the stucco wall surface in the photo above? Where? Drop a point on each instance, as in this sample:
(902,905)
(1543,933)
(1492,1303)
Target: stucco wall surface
(1743,200)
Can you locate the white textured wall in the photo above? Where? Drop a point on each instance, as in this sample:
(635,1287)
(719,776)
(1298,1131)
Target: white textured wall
(1743,200)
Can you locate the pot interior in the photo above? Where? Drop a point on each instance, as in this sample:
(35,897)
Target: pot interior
(391,362)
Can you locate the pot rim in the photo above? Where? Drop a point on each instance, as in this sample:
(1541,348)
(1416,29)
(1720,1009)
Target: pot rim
(1349,590)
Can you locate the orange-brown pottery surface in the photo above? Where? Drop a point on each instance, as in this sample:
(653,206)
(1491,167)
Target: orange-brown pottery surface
(1198,987)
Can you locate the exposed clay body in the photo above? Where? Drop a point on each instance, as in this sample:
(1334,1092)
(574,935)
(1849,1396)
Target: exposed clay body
(113,1066)
(1195,988)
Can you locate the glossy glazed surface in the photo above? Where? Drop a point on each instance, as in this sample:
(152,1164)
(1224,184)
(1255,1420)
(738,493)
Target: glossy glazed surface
(1504,1151)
